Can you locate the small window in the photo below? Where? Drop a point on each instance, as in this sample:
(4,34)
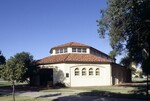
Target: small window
(76,72)
(90,71)
(57,51)
(84,50)
(97,71)
(79,50)
(83,72)
(61,50)
(65,50)
(67,74)
(73,49)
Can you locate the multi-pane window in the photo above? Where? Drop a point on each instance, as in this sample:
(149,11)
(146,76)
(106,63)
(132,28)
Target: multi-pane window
(90,71)
(61,50)
(57,51)
(73,49)
(83,72)
(83,50)
(64,50)
(97,72)
(76,72)
(79,50)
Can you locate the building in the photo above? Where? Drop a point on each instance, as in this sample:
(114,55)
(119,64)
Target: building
(77,65)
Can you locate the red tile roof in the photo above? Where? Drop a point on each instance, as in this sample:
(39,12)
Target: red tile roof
(78,58)
(71,44)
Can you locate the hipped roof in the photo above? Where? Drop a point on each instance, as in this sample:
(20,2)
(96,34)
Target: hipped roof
(73,58)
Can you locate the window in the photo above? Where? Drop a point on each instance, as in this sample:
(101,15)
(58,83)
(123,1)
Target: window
(83,72)
(90,71)
(67,74)
(61,50)
(97,71)
(83,50)
(64,50)
(73,49)
(76,72)
(79,50)
(57,51)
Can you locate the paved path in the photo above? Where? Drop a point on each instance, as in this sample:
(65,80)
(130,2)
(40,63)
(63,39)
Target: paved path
(59,96)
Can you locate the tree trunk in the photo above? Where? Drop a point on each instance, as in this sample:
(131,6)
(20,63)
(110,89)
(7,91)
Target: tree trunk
(147,88)
(13,93)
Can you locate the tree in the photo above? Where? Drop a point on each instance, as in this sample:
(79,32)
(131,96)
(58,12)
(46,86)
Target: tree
(126,61)
(18,68)
(127,25)
(2,59)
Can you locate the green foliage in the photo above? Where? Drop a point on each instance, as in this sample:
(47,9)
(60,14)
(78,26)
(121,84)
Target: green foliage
(2,59)
(127,62)
(19,67)
(127,24)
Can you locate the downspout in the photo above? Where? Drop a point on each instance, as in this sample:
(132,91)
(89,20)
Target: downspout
(70,76)
(111,78)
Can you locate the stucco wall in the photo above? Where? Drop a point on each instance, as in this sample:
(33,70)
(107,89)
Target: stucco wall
(120,74)
(101,80)
(60,70)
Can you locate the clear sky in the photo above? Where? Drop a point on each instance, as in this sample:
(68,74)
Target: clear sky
(35,26)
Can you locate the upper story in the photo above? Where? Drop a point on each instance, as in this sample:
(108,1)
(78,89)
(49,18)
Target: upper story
(78,48)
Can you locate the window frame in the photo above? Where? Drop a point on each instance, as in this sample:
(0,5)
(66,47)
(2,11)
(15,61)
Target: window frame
(83,71)
(91,72)
(76,72)
(97,71)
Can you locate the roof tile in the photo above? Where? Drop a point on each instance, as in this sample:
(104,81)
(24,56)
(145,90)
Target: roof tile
(86,58)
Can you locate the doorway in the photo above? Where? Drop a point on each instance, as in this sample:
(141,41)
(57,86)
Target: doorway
(46,77)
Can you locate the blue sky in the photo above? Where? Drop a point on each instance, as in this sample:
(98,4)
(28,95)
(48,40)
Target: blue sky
(35,26)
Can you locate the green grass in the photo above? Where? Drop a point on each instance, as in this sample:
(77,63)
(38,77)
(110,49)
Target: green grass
(20,98)
(7,83)
(117,89)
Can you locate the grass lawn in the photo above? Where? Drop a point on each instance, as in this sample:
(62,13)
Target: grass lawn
(131,90)
(7,83)
(20,98)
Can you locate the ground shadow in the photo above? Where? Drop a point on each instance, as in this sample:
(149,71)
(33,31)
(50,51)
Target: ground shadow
(139,92)
(96,95)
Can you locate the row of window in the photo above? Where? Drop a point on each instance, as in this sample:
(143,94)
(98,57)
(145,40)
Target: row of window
(74,50)
(79,50)
(90,72)
(64,50)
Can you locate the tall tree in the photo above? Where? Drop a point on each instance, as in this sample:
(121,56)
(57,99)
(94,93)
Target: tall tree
(127,24)
(2,59)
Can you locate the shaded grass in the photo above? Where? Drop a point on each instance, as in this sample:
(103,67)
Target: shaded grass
(20,98)
(115,95)
(118,89)
(130,91)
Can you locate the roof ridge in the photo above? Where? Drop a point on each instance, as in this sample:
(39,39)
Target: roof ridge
(66,57)
(71,43)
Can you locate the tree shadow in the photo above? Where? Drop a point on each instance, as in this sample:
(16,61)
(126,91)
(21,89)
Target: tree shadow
(49,95)
(139,92)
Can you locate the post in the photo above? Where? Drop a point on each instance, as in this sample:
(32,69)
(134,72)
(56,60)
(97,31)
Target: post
(147,88)
(13,93)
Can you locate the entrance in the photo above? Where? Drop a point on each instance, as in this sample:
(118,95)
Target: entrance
(46,77)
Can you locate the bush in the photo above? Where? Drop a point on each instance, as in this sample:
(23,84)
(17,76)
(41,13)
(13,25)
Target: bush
(60,84)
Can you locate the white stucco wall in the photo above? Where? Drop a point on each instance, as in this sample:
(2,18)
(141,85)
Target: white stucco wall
(101,80)
(60,70)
